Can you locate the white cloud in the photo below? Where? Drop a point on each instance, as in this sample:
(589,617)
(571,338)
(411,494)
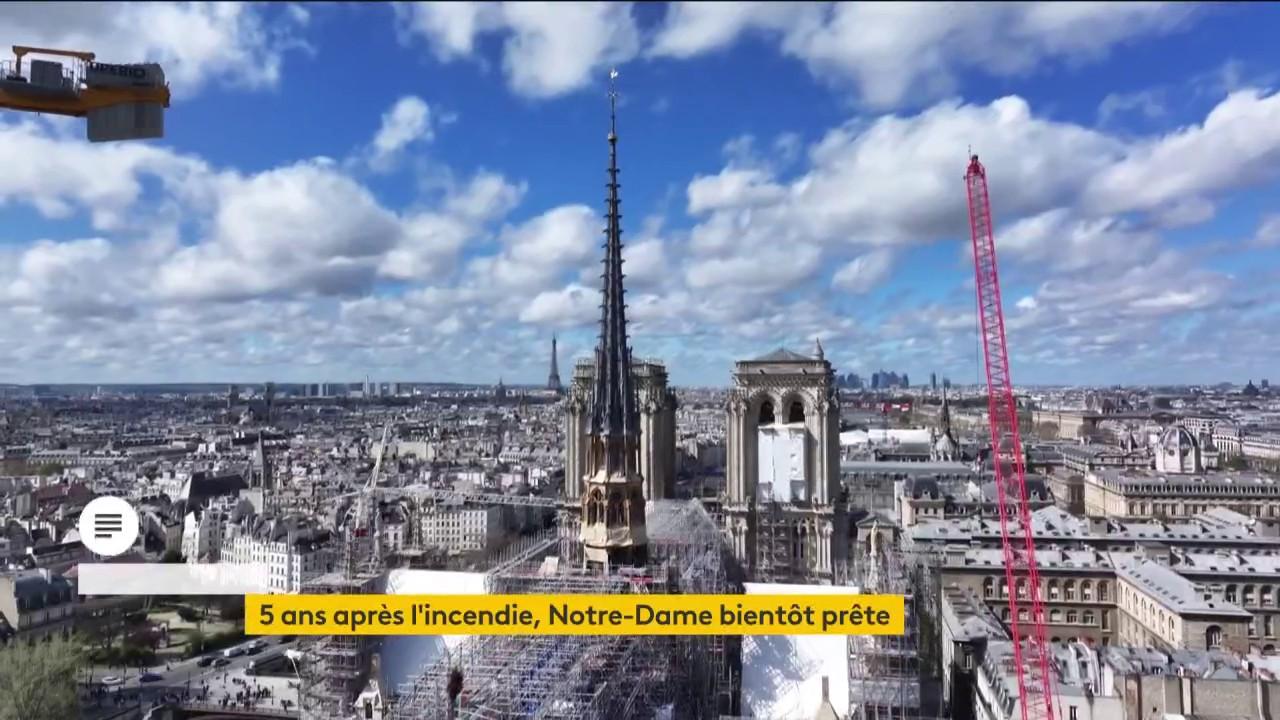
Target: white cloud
(408,121)
(732,188)
(1056,239)
(239,43)
(864,273)
(1238,144)
(304,227)
(570,306)
(431,241)
(894,181)
(536,255)
(58,177)
(549,49)
(896,53)
(1149,103)
(1268,234)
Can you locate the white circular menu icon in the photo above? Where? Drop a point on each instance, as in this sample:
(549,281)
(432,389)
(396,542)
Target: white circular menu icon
(108,526)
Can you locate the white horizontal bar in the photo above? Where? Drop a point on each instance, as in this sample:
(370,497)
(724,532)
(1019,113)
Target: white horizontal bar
(173,579)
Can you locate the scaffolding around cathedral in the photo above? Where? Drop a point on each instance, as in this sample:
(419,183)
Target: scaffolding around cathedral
(785,538)
(582,677)
(339,665)
(884,670)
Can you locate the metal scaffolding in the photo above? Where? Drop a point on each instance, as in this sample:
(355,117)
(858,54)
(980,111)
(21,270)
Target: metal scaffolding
(339,664)
(884,670)
(786,537)
(587,677)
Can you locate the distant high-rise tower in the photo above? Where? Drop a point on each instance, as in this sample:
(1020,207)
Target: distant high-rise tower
(933,381)
(613,505)
(553,380)
(269,398)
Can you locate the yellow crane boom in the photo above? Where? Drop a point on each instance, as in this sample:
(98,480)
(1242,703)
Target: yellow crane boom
(120,101)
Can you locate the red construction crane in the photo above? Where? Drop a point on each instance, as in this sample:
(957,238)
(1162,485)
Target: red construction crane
(1032,653)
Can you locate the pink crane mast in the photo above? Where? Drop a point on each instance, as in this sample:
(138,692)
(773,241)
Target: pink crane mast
(1032,653)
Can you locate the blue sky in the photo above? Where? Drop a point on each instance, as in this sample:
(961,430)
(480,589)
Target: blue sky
(413,191)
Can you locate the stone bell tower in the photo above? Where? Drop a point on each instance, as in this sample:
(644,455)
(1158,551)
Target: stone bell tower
(783,511)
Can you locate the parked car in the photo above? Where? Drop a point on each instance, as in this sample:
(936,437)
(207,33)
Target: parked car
(150,677)
(221,662)
(206,661)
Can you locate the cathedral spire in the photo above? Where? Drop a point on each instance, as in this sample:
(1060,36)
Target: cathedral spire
(613,504)
(613,407)
(944,417)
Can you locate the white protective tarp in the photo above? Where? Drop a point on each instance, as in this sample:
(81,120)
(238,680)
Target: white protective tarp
(405,656)
(782,674)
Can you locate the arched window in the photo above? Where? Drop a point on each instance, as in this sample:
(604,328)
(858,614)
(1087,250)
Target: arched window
(1055,616)
(1087,617)
(613,512)
(1247,595)
(795,414)
(1265,598)
(1086,591)
(766,413)
(1053,590)
(1071,617)
(1102,591)
(989,587)
(1213,637)
(1232,594)
(1022,589)
(1069,589)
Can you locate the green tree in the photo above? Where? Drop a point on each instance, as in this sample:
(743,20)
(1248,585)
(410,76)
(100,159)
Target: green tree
(39,682)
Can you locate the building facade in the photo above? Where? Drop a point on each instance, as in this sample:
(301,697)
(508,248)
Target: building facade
(463,528)
(783,489)
(1185,482)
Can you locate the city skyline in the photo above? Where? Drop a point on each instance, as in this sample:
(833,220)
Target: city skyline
(445,222)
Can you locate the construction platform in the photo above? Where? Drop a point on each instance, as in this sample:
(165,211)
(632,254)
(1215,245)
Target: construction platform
(588,677)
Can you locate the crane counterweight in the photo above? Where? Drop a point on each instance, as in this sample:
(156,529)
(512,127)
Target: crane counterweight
(118,102)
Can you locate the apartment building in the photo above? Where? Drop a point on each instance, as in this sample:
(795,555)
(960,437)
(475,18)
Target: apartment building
(287,550)
(1153,596)
(35,605)
(464,528)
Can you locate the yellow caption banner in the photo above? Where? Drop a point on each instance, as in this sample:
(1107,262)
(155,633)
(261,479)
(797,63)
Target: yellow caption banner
(574,614)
